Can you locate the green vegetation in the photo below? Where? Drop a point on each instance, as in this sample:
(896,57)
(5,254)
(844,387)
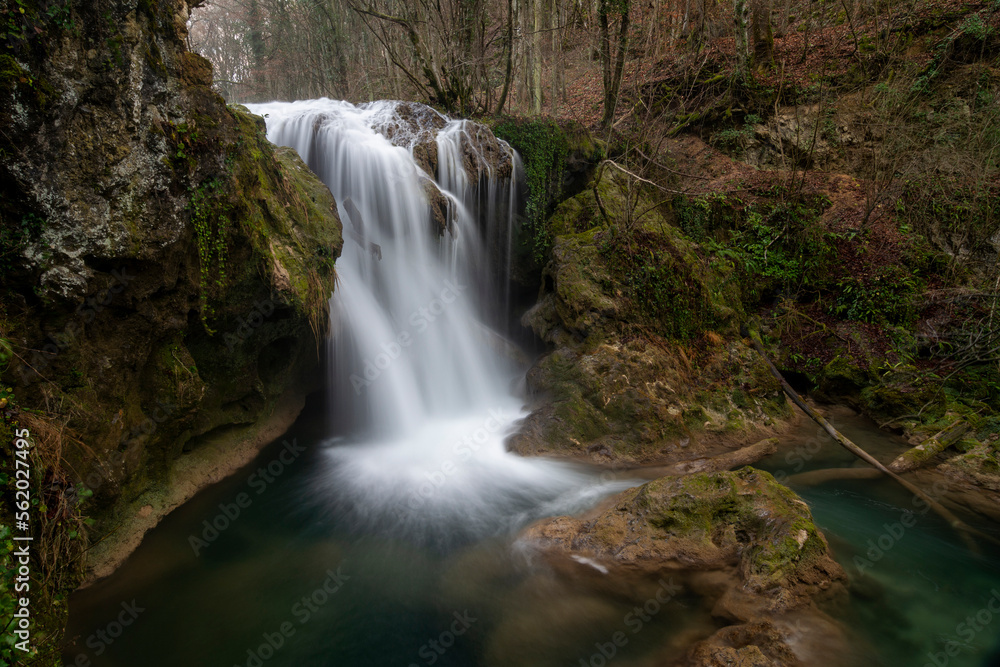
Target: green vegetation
(776,243)
(661,282)
(57,526)
(22,21)
(888,298)
(545,145)
(734,139)
(211,225)
(773,527)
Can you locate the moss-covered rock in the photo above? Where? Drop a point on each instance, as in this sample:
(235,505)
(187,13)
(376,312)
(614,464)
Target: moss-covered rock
(559,158)
(843,379)
(170,275)
(706,518)
(740,541)
(640,370)
(892,402)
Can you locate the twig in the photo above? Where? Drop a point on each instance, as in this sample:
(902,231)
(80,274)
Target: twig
(640,178)
(672,171)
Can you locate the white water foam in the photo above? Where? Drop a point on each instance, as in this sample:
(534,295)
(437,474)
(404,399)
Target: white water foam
(417,377)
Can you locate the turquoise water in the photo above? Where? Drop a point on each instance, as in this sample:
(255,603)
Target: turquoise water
(914,583)
(290,582)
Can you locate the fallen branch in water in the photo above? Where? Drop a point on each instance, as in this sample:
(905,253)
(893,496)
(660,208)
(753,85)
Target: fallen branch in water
(728,461)
(965,531)
(922,454)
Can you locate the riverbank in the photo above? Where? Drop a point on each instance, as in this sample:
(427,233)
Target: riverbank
(216,459)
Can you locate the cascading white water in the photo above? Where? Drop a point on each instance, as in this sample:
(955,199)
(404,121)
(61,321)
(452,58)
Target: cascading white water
(418,380)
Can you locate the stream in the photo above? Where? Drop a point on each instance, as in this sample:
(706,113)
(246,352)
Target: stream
(395,595)
(381,530)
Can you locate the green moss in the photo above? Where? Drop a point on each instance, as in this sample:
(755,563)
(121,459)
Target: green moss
(695,417)
(664,284)
(891,402)
(575,215)
(210,219)
(565,383)
(286,213)
(843,377)
(544,145)
(12,75)
(29,88)
(747,506)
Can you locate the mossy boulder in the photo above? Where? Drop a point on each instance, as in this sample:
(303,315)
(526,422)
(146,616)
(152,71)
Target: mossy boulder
(842,378)
(706,518)
(736,546)
(748,535)
(892,401)
(641,370)
(171,277)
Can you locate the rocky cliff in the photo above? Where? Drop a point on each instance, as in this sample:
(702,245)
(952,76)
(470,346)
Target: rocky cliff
(166,270)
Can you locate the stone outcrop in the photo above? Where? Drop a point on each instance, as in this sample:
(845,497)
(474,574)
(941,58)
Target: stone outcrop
(416,127)
(166,270)
(742,544)
(645,364)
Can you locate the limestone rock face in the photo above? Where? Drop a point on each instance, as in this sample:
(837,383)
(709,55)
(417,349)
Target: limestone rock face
(165,269)
(641,370)
(416,127)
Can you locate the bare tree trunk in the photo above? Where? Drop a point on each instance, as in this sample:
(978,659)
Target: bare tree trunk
(763,36)
(509,74)
(555,21)
(741,20)
(536,57)
(651,46)
(613,60)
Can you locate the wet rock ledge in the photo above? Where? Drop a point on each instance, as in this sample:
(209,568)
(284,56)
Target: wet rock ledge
(744,545)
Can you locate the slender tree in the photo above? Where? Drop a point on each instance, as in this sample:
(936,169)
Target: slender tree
(613,52)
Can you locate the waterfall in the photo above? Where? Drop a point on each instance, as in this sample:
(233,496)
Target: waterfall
(421,391)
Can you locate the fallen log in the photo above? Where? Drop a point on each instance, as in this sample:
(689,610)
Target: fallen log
(741,457)
(965,531)
(814,477)
(922,454)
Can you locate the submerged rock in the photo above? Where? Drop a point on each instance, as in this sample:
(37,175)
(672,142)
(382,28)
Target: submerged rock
(707,519)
